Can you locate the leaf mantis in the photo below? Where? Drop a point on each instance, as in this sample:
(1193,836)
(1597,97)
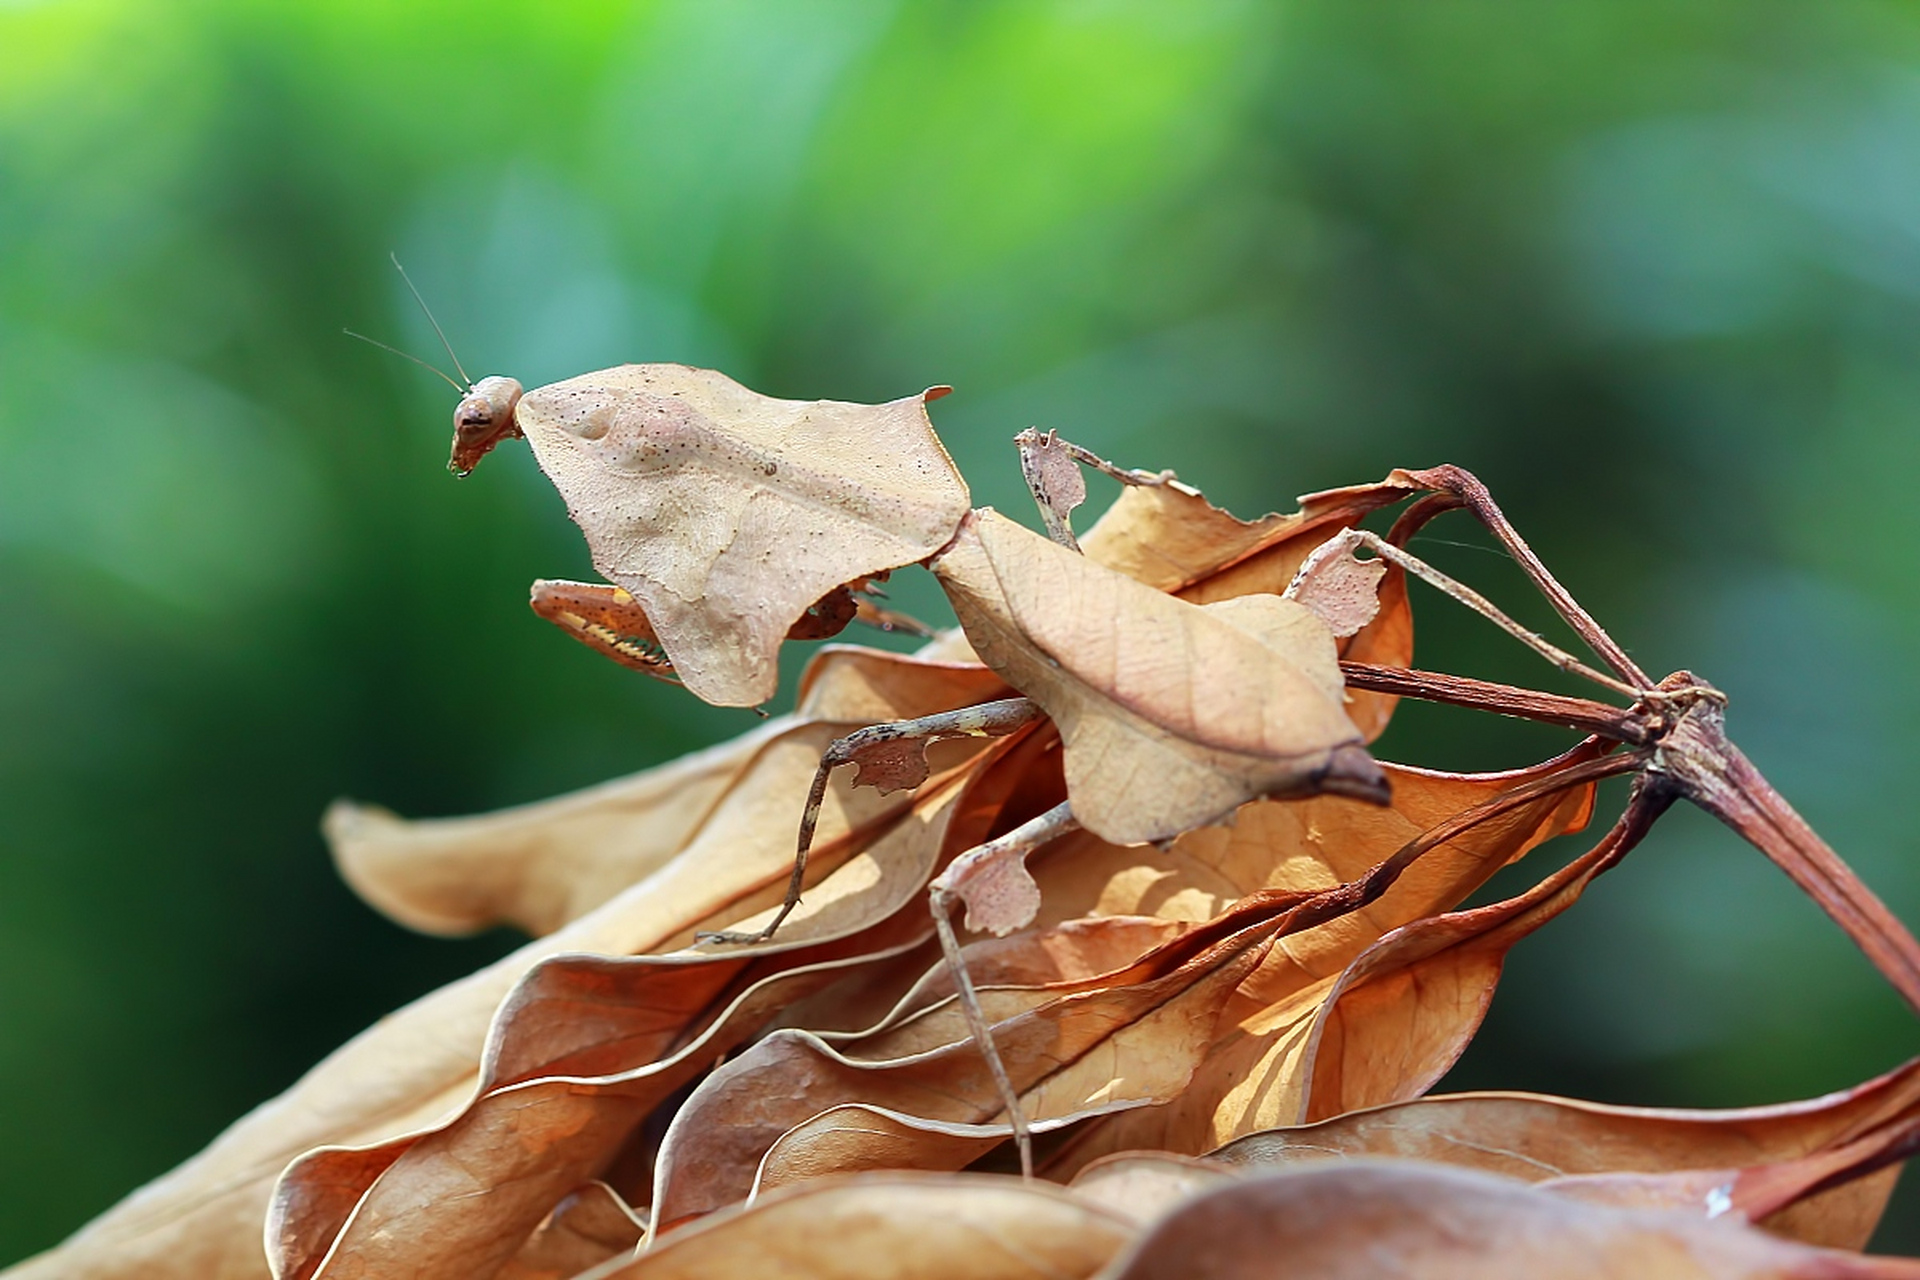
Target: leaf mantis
(727,522)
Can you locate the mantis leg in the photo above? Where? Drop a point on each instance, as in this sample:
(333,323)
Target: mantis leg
(867,613)
(1015,845)
(1051,467)
(1347,539)
(892,757)
(1455,487)
(607,620)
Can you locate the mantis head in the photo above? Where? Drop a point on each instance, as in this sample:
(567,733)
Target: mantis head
(483,418)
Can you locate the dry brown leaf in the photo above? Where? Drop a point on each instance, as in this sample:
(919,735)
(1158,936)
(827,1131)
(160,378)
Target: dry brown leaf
(851,683)
(1834,1195)
(1170,537)
(1565,1143)
(1066,952)
(1403,1011)
(538,865)
(589,1226)
(727,513)
(1072,1048)
(587,1046)
(462,1199)
(856,1136)
(419,1065)
(1172,715)
(1269,1058)
(1380,1221)
(1314,844)
(795,1106)
(1144,1185)
(541,865)
(894,1227)
(1537,1137)
(1844,1216)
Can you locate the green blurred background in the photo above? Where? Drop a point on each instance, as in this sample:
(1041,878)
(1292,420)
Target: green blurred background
(1651,269)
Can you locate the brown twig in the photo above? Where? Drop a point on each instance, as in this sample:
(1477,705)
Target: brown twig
(1686,751)
(1370,886)
(1286,911)
(1583,714)
(1679,724)
(1695,758)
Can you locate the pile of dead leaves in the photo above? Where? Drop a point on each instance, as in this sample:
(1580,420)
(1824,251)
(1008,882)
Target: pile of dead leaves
(1222,1041)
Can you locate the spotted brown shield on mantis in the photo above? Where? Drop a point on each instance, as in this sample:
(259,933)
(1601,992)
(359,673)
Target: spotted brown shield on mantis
(726,514)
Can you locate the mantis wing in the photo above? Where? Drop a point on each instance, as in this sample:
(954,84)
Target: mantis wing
(1172,714)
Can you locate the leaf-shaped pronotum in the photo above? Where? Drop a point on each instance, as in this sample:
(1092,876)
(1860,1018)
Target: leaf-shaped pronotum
(727,513)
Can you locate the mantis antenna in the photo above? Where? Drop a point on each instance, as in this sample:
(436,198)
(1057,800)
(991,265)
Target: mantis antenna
(447,377)
(430,320)
(466,383)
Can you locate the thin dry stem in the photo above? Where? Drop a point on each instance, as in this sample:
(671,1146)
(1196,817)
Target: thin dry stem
(1376,881)
(1696,759)
(1583,714)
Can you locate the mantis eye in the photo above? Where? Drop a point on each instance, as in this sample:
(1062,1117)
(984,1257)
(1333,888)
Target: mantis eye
(483,419)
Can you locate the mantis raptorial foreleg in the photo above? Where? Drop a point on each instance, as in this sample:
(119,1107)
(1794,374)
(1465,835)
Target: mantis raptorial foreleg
(892,757)
(608,620)
(869,614)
